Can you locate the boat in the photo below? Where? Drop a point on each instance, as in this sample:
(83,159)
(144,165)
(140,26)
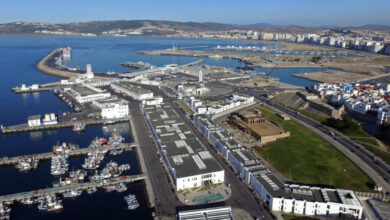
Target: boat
(55,207)
(72,193)
(124,167)
(131,201)
(133,205)
(109,188)
(78,126)
(91,190)
(28,201)
(121,187)
(130,197)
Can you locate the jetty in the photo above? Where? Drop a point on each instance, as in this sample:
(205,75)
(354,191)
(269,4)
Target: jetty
(47,63)
(76,186)
(77,152)
(26,128)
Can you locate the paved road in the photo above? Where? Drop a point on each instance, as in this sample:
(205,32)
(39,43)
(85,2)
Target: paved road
(378,170)
(166,200)
(241,197)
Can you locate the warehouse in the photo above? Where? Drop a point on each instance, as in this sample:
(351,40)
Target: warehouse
(189,163)
(86,93)
(113,108)
(133,91)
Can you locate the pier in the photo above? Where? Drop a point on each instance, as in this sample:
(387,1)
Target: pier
(25,128)
(77,186)
(77,152)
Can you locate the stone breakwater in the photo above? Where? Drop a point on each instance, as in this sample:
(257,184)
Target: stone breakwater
(46,65)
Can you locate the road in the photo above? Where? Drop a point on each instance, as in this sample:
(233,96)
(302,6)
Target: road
(375,168)
(166,200)
(241,194)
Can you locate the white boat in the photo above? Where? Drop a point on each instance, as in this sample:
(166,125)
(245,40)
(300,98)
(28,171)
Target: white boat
(78,126)
(72,193)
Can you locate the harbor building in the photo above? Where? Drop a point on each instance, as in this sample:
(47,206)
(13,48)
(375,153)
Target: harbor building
(89,74)
(280,196)
(49,119)
(86,93)
(133,91)
(113,108)
(34,120)
(190,164)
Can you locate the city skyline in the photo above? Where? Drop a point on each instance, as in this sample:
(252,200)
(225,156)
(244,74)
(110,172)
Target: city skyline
(303,13)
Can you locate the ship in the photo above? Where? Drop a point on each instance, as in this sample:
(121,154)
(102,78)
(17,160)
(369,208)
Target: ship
(79,126)
(66,52)
(131,201)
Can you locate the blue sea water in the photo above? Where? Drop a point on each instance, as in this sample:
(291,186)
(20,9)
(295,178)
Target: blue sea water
(18,57)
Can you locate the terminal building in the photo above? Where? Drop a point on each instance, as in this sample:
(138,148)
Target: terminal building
(190,163)
(133,91)
(280,196)
(113,108)
(86,93)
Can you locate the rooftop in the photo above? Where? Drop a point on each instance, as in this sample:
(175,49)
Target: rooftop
(185,153)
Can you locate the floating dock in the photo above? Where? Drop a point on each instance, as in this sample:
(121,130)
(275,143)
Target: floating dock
(77,186)
(77,152)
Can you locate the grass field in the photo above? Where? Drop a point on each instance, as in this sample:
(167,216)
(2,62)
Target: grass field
(185,107)
(368,141)
(311,115)
(307,158)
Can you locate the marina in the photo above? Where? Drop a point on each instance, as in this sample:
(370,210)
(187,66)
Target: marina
(63,189)
(49,155)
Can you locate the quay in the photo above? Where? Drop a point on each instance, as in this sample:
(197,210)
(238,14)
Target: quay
(77,152)
(25,128)
(39,88)
(77,186)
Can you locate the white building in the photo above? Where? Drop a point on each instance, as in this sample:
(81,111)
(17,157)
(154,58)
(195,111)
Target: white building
(49,119)
(280,196)
(86,93)
(131,90)
(215,213)
(189,162)
(200,76)
(89,74)
(383,115)
(113,108)
(154,101)
(34,120)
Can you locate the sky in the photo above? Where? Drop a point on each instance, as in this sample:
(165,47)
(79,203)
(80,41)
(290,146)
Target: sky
(281,12)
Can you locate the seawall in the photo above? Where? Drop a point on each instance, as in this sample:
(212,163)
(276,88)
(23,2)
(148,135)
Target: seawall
(43,67)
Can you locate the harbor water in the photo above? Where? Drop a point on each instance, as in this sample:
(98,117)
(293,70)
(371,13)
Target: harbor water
(18,57)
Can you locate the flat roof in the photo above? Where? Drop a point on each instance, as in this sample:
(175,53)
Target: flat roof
(34,117)
(133,88)
(83,90)
(186,154)
(272,184)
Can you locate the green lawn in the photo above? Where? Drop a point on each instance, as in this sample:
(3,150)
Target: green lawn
(307,158)
(317,117)
(185,107)
(368,142)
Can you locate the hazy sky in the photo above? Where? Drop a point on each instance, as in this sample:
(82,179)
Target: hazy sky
(301,12)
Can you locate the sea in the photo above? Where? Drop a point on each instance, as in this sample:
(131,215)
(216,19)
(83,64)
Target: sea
(18,57)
